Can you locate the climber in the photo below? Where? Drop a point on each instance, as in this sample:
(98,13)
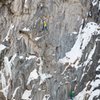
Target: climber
(44,26)
(72,94)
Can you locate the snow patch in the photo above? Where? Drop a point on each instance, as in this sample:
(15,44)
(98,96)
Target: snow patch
(74,33)
(26,5)
(97,39)
(26,29)
(2,47)
(95,93)
(33,75)
(21,57)
(7,65)
(26,95)
(15,93)
(44,76)
(30,57)
(97,76)
(94,2)
(37,38)
(95,84)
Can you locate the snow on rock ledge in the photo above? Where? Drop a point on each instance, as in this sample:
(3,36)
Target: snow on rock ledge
(82,41)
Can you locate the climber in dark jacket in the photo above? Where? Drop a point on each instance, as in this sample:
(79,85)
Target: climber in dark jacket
(71,94)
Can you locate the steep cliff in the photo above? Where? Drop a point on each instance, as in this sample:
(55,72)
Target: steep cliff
(38,63)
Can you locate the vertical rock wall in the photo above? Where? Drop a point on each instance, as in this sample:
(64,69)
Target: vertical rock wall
(30,48)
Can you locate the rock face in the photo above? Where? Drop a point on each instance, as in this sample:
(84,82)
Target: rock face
(29,56)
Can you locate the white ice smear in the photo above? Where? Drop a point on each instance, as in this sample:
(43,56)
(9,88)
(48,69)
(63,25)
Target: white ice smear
(26,4)
(98,76)
(25,1)
(13,58)
(7,37)
(30,57)
(99,6)
(7,70)
(21,57)
(94,2)
(26,29)
(98,68)
(40,65)
(26,95)
(90,55)
(2,47)
(15,93)
(5,87)
(44,76)
(3,80)
(74,33)
(33,75)
(7,65)
(37,38)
